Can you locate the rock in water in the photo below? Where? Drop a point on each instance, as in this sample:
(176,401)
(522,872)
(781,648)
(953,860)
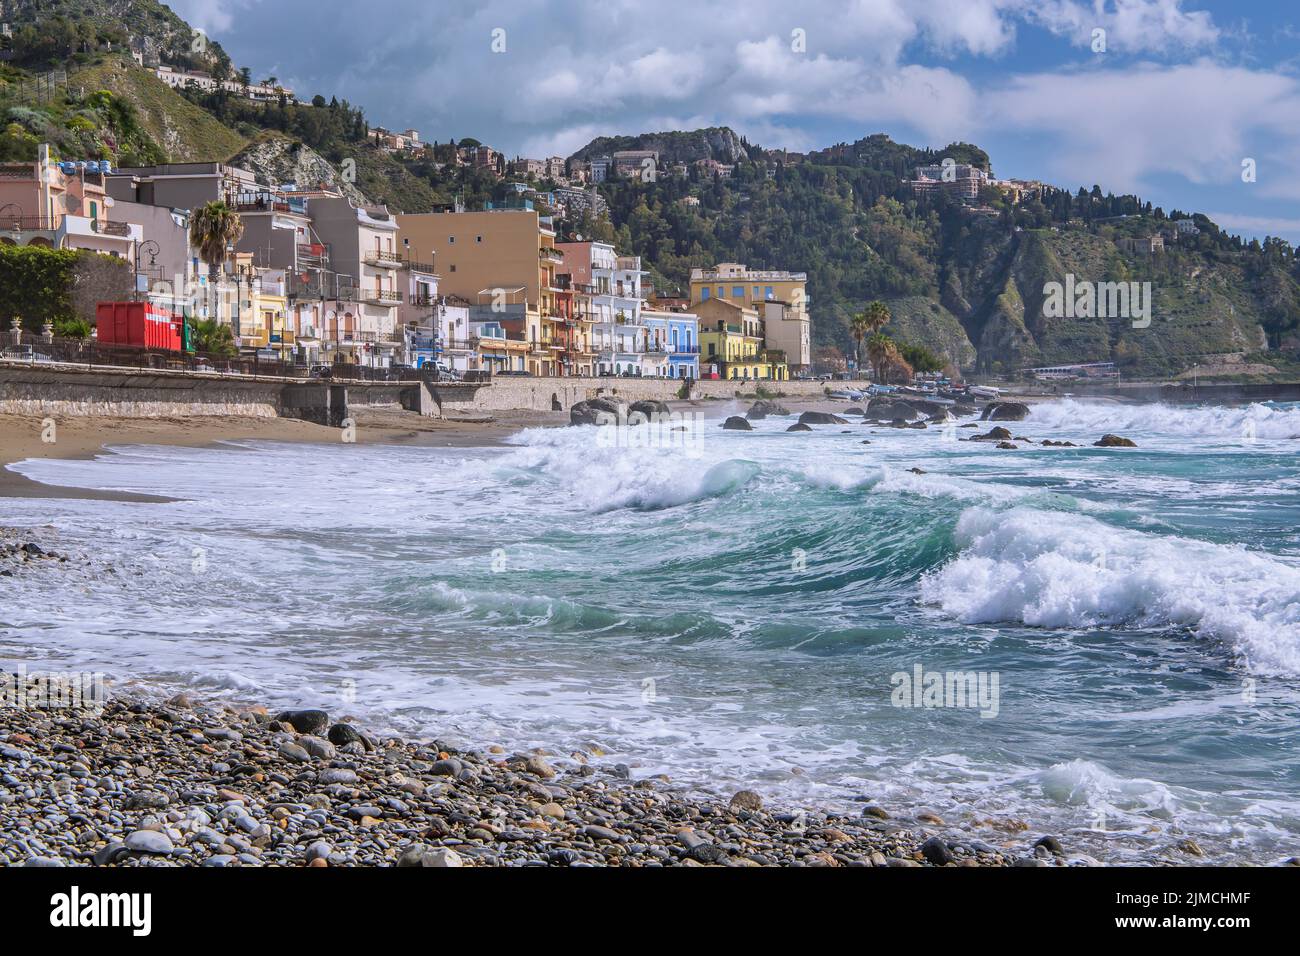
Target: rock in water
(762,408)
(589,412)
(1005,412)
(737,424)
(993,434)
(1114,441)
(799,427)
(821,418)
(305,721)
(648,411)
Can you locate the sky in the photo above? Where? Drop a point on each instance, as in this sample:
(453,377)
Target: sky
(1191,105)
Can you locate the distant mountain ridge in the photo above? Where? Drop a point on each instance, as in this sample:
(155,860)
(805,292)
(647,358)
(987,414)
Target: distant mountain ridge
(966,283)
(717,142)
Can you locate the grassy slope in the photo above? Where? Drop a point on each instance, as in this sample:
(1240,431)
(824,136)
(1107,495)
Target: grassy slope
(187,133)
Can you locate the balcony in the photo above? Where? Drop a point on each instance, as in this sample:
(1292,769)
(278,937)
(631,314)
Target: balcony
(385,297)
(550,254)
(382,259)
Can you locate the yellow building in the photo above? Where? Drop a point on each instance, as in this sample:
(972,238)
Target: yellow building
(786,330)
(496,255)
(731,343)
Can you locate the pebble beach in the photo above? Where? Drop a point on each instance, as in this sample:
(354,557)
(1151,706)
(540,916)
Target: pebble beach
(186,783)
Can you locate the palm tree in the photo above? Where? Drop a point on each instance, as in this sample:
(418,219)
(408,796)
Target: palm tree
(868,322)
(214,229)
(878,349)
(860,329)
(877,315)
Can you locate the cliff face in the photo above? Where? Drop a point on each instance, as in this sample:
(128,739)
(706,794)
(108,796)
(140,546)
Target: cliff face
(277,159)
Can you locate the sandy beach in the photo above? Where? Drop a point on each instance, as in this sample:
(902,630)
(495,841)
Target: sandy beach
(21,438)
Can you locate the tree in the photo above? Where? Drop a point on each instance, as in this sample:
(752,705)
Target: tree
(214,338)
(214,229)
(878,347)
(867,323)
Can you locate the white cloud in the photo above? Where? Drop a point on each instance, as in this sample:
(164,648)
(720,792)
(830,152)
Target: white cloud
(1120,127)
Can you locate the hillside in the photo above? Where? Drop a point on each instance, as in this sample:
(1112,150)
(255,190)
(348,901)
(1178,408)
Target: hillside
(967,284)
(718,143)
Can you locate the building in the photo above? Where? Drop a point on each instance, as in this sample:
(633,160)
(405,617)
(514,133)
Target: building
(676,336)
(778,298)
(635,162)
(499,258)
(62,206)
(1142,245)
(193,79)
(554,167)
(961,181)
(599,169)
(405,141)
(167,269)
(577,201)
(527,167)
(788,329)
(731,343)
(367,266)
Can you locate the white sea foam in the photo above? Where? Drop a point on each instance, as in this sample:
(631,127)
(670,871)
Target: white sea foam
(1062,570)
(1214,422)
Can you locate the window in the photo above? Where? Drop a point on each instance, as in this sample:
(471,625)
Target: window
(453,267)
(478,238)
(755,292)
(704,294)
(451,240)
(722,293)
(768,293)
(737,291)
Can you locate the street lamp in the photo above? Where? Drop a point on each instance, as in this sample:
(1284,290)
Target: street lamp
(153,249)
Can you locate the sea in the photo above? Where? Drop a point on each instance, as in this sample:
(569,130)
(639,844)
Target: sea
(1101,644)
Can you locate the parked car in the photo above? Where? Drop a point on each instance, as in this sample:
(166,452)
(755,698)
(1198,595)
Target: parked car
(320,371)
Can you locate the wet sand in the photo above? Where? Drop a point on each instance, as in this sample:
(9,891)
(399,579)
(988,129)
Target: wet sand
(23,437)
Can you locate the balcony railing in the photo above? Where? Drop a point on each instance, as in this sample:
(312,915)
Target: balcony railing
(28,224)
(111,228)
(382,259)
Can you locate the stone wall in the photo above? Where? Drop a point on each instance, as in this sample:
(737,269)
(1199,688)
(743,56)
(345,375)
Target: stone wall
(509,392)
(45,390)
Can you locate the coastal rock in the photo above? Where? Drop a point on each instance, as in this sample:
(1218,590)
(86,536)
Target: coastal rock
(1114,441)
(647,411)
(890,410)
(1005,412)
(589,412)
(746,800)
(799,427)
(993,434)
(762,408)
(1051,844)
(1007,445)
(936,852)
(305,721)
(1049,443)
(821,418)
(737,424)
(343,734)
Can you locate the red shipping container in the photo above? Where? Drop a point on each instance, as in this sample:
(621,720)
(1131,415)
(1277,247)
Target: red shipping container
(139,325)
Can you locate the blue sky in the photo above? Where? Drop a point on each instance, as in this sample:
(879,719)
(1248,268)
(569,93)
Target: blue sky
(1181,94)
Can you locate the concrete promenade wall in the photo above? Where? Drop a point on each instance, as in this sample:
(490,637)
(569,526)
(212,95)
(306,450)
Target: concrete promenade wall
(507,392)
(60,390)
(65,390)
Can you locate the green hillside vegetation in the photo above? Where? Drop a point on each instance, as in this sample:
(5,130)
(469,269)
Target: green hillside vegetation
(966,285)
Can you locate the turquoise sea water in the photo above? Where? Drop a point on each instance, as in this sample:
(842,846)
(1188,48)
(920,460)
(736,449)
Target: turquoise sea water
(737,609)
